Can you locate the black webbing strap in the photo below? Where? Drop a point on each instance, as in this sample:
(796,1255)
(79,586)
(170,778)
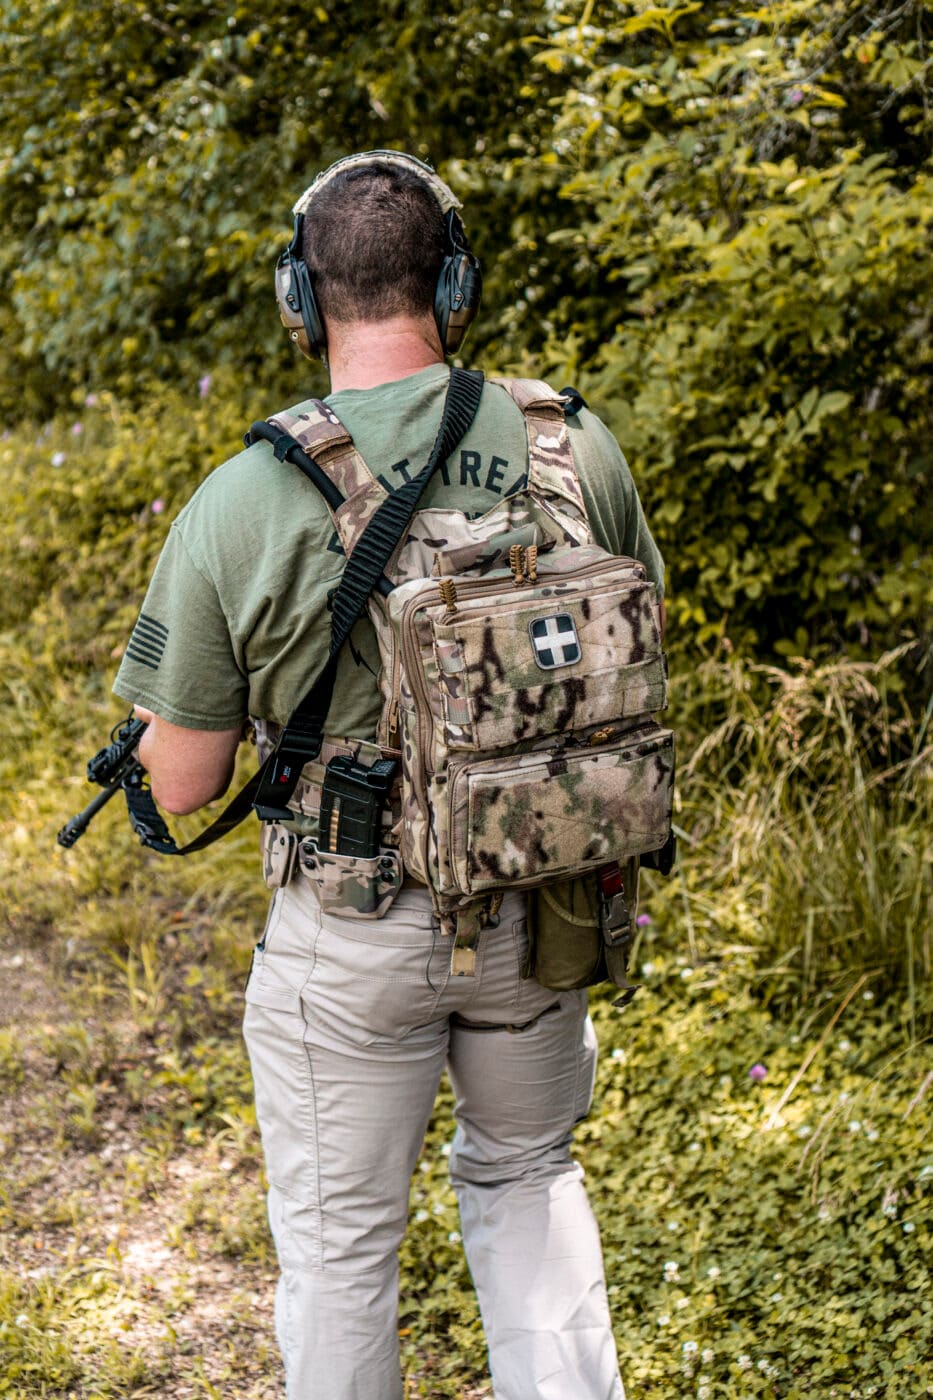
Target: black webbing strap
(149,825)
(300,741)
(271,786)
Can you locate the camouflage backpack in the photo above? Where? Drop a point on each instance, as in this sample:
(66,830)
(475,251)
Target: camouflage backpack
(521,668)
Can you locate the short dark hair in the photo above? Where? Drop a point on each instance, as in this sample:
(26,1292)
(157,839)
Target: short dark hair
(374,243)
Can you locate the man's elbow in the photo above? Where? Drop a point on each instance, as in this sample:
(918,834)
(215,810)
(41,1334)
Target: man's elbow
(187,768)
(179,797)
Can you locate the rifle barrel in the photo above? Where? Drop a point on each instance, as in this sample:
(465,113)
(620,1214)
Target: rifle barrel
(79,824)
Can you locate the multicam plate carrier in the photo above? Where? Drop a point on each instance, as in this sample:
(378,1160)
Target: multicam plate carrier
(521,665)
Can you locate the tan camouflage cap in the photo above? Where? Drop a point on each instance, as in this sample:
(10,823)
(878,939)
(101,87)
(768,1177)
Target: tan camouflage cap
(442,193)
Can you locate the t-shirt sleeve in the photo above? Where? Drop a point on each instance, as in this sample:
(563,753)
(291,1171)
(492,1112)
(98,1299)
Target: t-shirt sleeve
(179,661)
(611,498)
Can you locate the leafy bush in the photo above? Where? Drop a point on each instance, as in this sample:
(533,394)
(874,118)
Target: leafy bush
(751,225)
(716,221)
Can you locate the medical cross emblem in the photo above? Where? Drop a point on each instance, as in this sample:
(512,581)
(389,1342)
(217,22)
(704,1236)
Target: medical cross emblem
(555,641)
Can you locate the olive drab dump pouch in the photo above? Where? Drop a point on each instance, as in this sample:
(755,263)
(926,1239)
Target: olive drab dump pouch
(522,668)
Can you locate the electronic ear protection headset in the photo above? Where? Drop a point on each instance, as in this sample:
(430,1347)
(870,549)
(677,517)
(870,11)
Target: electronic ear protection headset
(459,284)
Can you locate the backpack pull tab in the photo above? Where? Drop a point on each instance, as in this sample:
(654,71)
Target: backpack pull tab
(448,591)
(517,565)
(531,563)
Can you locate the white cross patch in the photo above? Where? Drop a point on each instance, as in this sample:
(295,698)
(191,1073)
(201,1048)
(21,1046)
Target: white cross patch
(555,641)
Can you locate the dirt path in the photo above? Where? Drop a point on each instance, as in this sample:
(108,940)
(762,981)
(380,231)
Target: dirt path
(135,1249)
(91,1187)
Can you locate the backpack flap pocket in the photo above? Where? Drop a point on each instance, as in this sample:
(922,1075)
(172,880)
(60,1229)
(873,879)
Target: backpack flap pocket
(524,819)
(518,668)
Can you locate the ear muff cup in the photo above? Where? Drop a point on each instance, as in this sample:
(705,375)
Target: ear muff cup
(459,287)
(294,293)
(456,298)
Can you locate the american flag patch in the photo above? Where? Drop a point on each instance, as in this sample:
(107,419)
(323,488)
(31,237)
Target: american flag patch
(147,643)
(555,641)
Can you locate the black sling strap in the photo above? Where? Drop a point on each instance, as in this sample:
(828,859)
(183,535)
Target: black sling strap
(273,783)
(301,739)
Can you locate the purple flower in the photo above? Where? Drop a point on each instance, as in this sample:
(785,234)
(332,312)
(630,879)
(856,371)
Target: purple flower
(795,98)
(157,506)
(204,385)
(91,401)
(758,1073)
(58,459)
(77,429)
(643,921)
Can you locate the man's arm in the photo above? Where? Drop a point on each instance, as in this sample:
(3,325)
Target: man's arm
(187,767)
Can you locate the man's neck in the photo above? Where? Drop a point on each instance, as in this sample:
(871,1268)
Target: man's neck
(363,354)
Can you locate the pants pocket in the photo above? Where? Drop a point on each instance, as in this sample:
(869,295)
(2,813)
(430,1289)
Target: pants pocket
(376,982)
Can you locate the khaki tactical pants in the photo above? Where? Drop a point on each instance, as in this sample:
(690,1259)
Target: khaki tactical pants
(349,1024)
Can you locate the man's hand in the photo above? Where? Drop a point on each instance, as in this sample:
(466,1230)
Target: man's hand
(187,767)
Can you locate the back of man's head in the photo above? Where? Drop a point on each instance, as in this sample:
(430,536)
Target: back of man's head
(374,243)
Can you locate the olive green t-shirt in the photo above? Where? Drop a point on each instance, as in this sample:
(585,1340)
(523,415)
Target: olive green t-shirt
(235,620)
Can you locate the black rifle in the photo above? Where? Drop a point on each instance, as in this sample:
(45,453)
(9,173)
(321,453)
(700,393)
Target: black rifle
(116,767)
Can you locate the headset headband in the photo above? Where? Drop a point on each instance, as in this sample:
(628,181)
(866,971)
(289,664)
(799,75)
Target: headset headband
(442,193)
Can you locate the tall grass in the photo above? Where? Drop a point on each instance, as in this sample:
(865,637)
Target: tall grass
(805,812)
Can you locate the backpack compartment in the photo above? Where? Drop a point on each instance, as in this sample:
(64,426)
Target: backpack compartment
(526,749)
(514,668)
(521,820)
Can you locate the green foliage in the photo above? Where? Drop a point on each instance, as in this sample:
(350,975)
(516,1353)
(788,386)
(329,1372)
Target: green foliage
(146,185)
(751,224)
(57,1332)
(805,812)
(717,222)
